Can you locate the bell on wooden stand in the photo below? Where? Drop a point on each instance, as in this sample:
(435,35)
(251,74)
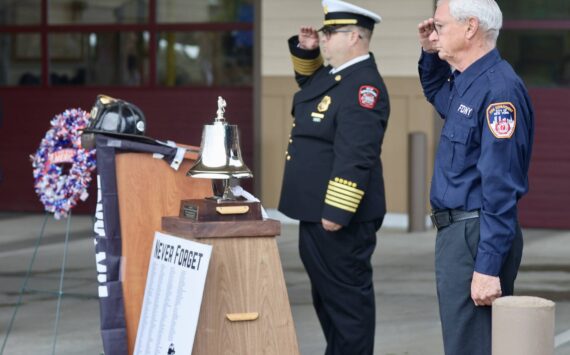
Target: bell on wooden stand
(220,159)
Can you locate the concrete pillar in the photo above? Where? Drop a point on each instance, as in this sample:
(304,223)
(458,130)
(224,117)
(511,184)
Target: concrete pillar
(417,175)
(523,325)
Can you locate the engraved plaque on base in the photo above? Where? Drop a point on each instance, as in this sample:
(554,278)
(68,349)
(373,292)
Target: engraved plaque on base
(211,210)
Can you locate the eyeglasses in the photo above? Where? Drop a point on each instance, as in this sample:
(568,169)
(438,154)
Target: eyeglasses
(329,31)
(437,28)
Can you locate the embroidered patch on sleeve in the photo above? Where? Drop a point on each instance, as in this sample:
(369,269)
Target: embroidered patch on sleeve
(367,96)
(502,119)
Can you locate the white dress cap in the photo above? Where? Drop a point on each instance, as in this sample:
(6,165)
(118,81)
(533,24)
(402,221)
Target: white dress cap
(339,12)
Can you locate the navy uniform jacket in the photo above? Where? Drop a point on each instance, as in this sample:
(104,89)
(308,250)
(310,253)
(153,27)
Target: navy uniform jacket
(484,152)
(333,168)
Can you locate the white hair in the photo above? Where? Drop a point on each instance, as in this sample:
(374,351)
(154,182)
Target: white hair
(486,11)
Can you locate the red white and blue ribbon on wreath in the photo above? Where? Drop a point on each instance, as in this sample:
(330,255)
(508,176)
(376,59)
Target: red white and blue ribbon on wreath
(62,168)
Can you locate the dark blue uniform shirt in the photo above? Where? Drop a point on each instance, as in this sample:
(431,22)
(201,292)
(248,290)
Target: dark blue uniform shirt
(484,151)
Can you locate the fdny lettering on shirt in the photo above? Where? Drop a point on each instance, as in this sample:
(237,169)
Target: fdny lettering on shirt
(367,96)
(502,119)
(465,110)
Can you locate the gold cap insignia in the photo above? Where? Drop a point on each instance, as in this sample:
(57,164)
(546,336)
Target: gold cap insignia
(324,104)
(326,9)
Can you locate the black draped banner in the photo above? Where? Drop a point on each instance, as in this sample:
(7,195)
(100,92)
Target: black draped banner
(107,230)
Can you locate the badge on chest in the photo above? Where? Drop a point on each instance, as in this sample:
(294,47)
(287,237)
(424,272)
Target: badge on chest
(322,107)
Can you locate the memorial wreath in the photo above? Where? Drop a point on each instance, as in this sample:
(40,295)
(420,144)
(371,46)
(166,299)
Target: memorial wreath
(62,168)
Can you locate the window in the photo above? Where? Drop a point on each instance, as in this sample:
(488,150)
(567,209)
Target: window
(20,62)
(184,11)
(535,39)
(540,57)
(116,43)
(535,9)
(99,58)
(69,12)
(21,12)
(204,58)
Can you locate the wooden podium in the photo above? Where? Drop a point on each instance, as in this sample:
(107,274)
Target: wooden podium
(245,283)
(245,273)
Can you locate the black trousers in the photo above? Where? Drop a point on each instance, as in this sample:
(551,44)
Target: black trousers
(340,270)
(467,328)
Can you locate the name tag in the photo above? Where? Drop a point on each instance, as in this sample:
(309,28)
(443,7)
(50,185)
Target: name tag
(465,110)
(317,117)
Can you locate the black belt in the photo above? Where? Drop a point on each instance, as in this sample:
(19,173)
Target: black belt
(443,218)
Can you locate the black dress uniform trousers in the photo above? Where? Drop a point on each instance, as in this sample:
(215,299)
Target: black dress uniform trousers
(466,327)
(340,270)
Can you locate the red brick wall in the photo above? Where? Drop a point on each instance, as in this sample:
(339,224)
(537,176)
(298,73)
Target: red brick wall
(547,204)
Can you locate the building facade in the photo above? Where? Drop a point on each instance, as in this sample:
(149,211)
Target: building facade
(173,58)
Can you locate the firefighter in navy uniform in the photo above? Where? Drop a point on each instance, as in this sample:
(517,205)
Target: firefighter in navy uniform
(333,178)
(481,167)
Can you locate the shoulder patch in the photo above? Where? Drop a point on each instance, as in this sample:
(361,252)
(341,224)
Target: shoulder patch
(368,96)
(502,119)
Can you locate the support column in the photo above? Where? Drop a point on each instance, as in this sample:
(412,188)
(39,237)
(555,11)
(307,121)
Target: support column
(417,175)
(523,325)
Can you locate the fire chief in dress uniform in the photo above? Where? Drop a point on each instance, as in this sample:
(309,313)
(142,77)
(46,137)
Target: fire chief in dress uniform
(333,174)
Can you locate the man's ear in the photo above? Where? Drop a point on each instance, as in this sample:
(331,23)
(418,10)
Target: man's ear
(354,37)
(472,27)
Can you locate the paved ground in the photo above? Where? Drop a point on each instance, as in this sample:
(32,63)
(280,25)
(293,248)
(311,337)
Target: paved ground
(407,320)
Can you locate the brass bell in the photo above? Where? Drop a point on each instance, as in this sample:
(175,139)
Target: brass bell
(220,154)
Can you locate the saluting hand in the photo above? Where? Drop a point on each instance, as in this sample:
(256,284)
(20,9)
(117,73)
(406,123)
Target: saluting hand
(308,38)
(425,29)
(485,289)
(330,226)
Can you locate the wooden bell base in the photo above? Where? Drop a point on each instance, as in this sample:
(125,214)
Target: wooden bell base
(245,308)
(210,210)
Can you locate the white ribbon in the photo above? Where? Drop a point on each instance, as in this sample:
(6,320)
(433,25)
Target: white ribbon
(178,157)
(239,191)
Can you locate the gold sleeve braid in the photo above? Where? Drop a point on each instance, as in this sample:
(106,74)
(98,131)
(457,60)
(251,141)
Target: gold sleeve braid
(306,66)
(343,194)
